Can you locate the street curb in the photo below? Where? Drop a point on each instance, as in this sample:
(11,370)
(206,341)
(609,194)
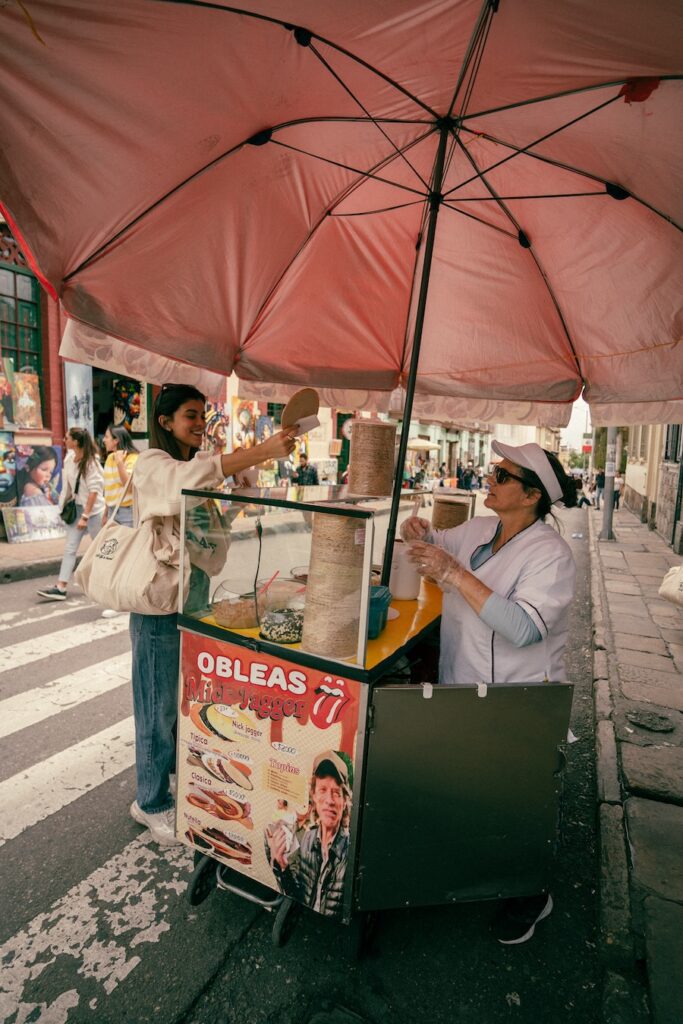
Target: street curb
(30,570)
(615,931)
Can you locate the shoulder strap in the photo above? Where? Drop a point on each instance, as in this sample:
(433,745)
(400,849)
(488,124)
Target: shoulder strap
(123,494)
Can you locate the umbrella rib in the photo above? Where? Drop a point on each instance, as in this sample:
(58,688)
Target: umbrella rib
(536,142)
(384,209)
(545,195)
(569,167)
(374,121)
(485,14)
(328,42)
(480,220)
(561,95)
(476,54)
(551,293)
(347,167)
(207,167)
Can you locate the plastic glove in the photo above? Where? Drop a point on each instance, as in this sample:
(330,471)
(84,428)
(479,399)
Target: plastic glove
(436,563)
(414,528)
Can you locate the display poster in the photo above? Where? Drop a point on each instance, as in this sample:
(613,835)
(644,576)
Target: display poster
(266,757)
(78,396)
(244,417)
(129,399)
(218,427)
(39,475)
(32,523)
(6,409)
(8,469)
(26,401)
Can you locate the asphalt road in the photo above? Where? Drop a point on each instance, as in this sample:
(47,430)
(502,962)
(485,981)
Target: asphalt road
(94,926)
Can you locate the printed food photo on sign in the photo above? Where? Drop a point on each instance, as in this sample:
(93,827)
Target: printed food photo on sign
(268,749)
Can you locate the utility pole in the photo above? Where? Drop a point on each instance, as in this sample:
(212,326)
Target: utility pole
(608,494)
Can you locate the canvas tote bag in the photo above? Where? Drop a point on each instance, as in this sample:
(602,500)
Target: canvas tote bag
(137,570)
(132,570)
(672,585)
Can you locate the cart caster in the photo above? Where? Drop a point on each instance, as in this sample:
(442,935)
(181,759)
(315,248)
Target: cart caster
(203,881)
(283,925)
(361,930)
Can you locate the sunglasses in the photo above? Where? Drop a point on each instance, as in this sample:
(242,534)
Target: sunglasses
(500,475)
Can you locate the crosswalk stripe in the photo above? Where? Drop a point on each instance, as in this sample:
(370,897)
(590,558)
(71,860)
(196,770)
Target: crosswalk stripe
(23,653)
(33,706)
(11,620)
(97,928)
(46,787)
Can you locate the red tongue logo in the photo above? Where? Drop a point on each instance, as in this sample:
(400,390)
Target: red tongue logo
(331,697)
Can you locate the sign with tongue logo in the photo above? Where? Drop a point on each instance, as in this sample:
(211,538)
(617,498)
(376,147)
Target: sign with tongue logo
(276,740)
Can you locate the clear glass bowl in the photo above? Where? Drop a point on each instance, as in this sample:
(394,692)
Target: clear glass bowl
(281,611)
(234,605)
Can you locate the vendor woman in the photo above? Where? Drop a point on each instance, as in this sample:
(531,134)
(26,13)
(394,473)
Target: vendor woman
(508,579)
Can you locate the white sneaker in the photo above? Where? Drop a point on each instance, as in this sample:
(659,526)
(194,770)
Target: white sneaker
(110,613)
(161,825)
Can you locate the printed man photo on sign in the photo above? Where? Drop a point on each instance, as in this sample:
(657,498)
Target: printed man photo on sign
(311,868)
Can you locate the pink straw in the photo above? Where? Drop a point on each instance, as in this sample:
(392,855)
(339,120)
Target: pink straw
(267,584)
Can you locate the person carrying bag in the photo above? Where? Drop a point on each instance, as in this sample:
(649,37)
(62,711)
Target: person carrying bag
(138,570)
(671,588)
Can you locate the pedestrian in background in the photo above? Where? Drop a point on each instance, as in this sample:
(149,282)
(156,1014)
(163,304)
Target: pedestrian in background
(618,487)
(121,458)
(599,487)
(83,481)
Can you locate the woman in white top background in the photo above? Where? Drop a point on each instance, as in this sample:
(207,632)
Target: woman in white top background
(172,462)
(82,480)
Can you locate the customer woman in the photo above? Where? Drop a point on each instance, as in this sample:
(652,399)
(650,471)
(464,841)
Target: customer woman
(508,583)
(34,480)
(173,462)
(83,481)
(121,458)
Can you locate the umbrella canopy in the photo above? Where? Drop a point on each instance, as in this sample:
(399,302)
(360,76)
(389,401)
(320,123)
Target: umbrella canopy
(305,191)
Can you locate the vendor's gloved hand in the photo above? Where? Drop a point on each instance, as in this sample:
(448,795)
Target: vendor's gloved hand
(414,528)
(436,563)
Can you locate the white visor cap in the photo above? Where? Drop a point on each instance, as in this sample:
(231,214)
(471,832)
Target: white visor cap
(531,456)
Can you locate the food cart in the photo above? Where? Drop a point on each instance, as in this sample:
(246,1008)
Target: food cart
(448,793)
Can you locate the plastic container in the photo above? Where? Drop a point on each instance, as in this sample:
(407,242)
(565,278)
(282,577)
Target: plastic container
(380,599)
(234,605)
(405,579)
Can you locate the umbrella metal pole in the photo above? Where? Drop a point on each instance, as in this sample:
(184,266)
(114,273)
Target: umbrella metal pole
(435,199)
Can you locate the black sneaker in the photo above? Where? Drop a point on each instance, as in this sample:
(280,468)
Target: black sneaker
(516,919)
(53,594)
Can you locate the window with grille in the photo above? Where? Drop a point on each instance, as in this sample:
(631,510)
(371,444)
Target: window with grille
(672,445)
(275,411)
(20,318)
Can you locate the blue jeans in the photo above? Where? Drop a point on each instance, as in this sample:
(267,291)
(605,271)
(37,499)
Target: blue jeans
(124,516)
(156,655)
(74,536)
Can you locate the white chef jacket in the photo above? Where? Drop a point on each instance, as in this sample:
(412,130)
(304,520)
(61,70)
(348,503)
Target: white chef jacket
(536,570)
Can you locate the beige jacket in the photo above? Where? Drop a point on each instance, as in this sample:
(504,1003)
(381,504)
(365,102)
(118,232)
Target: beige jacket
(158,479)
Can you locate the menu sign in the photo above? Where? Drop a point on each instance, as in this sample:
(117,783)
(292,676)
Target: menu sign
(266,762)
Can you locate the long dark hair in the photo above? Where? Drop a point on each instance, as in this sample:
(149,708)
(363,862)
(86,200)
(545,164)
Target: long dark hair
(167,402)
(123,437)
(84,441)
(42,453)
(531,482)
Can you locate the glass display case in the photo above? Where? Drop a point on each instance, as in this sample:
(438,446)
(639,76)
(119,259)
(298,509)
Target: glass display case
(289,569)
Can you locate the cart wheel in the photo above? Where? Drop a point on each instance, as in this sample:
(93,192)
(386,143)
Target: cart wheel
(283,925)
(203,880)
(361,929)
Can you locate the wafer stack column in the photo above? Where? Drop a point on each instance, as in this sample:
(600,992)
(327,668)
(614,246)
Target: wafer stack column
(449,512)
(371,459)
(333,591)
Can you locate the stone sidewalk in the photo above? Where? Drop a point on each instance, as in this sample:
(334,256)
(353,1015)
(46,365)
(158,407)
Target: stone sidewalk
(638,693)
